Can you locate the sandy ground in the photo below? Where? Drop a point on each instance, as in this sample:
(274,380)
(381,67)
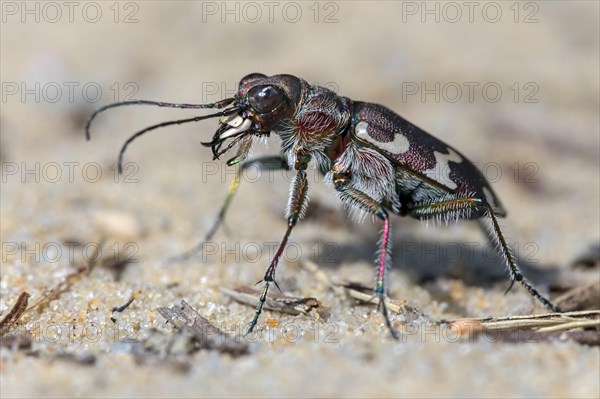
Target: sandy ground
(530,121)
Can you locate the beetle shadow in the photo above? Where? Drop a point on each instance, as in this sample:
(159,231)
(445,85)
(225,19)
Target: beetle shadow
(477,264)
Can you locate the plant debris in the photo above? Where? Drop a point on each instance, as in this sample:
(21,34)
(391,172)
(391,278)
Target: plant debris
(15,313)
(204,335)
(365,294)
(359,291)
(277,302)
(582,326)
(68,281)
(120,309)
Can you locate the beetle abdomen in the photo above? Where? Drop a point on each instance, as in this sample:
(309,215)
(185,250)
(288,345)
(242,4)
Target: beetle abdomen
(427,167)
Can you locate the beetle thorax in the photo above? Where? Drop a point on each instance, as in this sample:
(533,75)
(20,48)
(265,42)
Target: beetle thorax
(319,120)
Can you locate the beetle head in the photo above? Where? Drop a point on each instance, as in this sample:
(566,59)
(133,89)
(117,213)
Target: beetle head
(268,101)
(261,104)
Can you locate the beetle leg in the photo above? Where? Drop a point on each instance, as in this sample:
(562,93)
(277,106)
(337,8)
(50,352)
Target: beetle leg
(451,208)
(276,162)
(515,272)
(463,206)
(368,204)
(295,211)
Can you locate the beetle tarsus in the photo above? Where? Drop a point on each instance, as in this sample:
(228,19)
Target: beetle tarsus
(386,317)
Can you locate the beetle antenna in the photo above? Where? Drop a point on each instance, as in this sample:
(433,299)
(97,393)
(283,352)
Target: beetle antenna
(168,123)
(218,104)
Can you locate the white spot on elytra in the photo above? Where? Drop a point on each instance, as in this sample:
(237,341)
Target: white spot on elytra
(399,146)
(441,170)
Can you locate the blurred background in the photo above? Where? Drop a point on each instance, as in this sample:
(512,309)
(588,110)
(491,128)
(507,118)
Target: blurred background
(512,85)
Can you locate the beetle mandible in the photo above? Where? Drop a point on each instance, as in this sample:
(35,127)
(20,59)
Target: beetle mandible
(378,163)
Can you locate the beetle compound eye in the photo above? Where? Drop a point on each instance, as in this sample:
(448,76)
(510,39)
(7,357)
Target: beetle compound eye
(264,99)
(253,77)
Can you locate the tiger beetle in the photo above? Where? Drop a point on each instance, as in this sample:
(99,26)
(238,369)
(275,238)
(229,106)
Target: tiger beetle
(377,162)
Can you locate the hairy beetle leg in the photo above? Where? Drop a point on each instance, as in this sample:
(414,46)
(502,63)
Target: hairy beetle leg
(463,206)
(368,204)
(515,272)
(296,207)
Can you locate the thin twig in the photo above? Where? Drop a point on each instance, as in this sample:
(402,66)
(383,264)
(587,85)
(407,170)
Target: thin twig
(15,313)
